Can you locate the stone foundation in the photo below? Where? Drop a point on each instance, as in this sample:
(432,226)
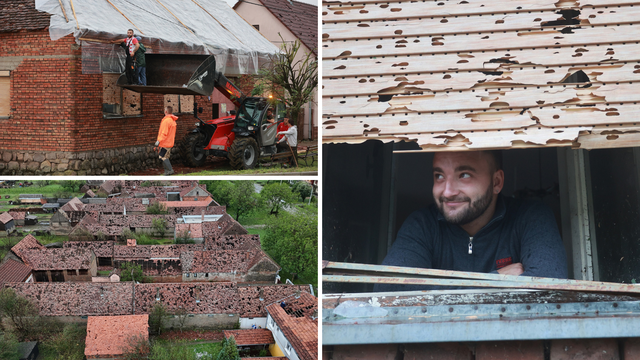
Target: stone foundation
(99,162)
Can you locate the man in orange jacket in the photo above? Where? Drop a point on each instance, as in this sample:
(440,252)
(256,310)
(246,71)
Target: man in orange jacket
(166,138)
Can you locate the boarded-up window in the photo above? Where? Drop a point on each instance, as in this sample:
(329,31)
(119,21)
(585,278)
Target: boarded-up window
(180,103)
(118,102)
(5,98)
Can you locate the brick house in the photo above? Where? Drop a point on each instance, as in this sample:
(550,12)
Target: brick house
(60,114)
(294,326)
(293,20)
(109,336)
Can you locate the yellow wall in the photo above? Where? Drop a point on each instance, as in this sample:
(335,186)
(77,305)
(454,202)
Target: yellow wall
(274,349)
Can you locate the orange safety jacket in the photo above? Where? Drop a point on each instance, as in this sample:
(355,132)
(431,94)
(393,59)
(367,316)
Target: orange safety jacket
(167,133)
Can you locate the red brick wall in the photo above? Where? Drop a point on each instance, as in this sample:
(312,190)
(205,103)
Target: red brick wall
(57,108)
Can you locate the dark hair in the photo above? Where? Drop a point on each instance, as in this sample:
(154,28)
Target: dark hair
(131,30)
(496,156)
(169,109)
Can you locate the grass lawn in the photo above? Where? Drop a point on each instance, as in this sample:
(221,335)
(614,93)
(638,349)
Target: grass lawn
(146,240)
(255,218)
(47,191)
(260,232)
(180,349)
(259,170)
(104,272)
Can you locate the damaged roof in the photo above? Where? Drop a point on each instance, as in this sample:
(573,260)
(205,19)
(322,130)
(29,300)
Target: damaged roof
(481,75)
(298,321)
(74,204)
(58,259)
(100,248)
(221,261)
(27,243)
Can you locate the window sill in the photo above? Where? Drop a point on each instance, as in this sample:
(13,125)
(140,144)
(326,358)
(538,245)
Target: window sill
(112,117)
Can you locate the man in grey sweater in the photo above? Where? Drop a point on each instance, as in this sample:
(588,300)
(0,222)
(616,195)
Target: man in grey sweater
(471,227)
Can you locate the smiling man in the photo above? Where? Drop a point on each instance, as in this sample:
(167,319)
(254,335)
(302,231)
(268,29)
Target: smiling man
(472,227)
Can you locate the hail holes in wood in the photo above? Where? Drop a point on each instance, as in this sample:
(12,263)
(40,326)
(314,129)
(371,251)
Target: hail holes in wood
(404,123)
(396,10)
(363,25)
(444,21)
(499,21)
(556,116)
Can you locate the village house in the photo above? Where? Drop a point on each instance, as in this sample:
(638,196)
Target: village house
(29,242)
(251,341)
(111,227)
(228,265)
(102,249)
(7,223)
(26,199)
(288,20)
(108,337)
(18,217)
(102,128)
(293,320)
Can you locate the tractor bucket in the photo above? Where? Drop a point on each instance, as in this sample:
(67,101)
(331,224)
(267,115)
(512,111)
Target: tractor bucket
(176,74)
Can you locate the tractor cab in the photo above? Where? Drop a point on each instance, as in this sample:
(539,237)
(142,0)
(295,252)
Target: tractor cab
(252,121)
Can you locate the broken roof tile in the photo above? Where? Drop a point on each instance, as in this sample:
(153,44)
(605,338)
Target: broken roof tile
(100,248)
(298,324)
(27,243)
(18,215)
(58,259)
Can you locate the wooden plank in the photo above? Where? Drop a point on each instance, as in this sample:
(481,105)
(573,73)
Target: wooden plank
(172,100)
(463,80)
(336,11)
(599,141)
(483,99)
(478,61)
(365,26)
(110,91)
(480,42)
(186,103)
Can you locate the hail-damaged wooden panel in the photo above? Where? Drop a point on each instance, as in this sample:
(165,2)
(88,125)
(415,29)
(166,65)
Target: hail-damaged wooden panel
(457,75)
(131,103)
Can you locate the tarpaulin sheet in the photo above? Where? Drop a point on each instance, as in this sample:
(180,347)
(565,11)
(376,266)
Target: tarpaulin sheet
(165,26)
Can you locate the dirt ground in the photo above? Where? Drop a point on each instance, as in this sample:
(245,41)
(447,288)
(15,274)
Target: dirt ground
(212,163)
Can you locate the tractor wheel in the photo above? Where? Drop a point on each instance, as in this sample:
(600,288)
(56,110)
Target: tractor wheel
(192,150)
(244,153)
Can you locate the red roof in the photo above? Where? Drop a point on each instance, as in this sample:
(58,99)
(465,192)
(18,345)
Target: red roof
(106,335)
(14,271)
(300,18)
(195,230)
(297,325)
(177,204)
(18,215)
(16,15)
(250,336)
(5,217)
(58,259)
(29,242)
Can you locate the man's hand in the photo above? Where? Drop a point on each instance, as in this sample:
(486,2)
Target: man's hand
(157,143)
(513,269)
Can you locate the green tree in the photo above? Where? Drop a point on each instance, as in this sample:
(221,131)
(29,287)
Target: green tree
(244,198)
(302,188)
(222,192)
(183,237)
(229,350)
(157,208)
(291,81)
(276,195)
(131,272)
(292,241)
(158,318)
(69,345)
(72,185)
(128,234)
(21,313)
(160,226)
(9,347)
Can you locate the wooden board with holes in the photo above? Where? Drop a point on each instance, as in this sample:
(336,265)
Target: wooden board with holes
(474,74)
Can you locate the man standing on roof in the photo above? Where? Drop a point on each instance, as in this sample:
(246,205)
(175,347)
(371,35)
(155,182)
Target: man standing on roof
(289,141)
(166,138)
(472,227)
(130,45)
(141,63)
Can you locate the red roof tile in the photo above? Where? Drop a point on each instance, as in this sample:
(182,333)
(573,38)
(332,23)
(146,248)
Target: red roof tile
(199,203)
(107,335)
(14,271)
(5,217)
(16,15)
(297,325)
(27,243)
(57,259)
(100,248)
(74,204)
(220,261)
(300,18)
(194,230)
(250,336)
(18,215)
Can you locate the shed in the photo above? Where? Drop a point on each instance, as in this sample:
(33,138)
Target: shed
(28,350)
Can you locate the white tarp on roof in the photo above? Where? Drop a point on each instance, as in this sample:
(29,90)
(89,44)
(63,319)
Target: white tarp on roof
(166,26)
